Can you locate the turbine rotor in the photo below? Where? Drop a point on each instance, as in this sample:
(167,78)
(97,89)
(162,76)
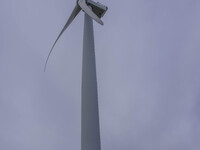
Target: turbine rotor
(94,9)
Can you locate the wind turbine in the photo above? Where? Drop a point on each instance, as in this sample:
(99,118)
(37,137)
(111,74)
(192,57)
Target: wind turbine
(90,130)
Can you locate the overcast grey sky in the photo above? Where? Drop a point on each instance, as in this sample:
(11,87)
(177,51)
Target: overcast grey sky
(148,56)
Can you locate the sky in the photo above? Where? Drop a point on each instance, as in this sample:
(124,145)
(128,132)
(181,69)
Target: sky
(147,57)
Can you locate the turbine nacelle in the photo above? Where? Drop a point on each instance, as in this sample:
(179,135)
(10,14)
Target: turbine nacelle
(94,9)
(97,8)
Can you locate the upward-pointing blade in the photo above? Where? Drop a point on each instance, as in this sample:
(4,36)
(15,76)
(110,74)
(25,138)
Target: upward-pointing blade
(71,18)
(87,10)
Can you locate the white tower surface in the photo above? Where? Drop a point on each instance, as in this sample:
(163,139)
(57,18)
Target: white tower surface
(90,130)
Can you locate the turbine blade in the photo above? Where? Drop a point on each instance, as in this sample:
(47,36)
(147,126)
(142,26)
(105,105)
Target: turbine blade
(88,11)
(74,13)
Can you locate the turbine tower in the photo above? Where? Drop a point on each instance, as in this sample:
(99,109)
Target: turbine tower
(90,130)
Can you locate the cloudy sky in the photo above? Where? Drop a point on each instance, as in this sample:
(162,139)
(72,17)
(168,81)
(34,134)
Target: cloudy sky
(147,56)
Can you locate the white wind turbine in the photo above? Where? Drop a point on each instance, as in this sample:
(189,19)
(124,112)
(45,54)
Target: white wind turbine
(90,130)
